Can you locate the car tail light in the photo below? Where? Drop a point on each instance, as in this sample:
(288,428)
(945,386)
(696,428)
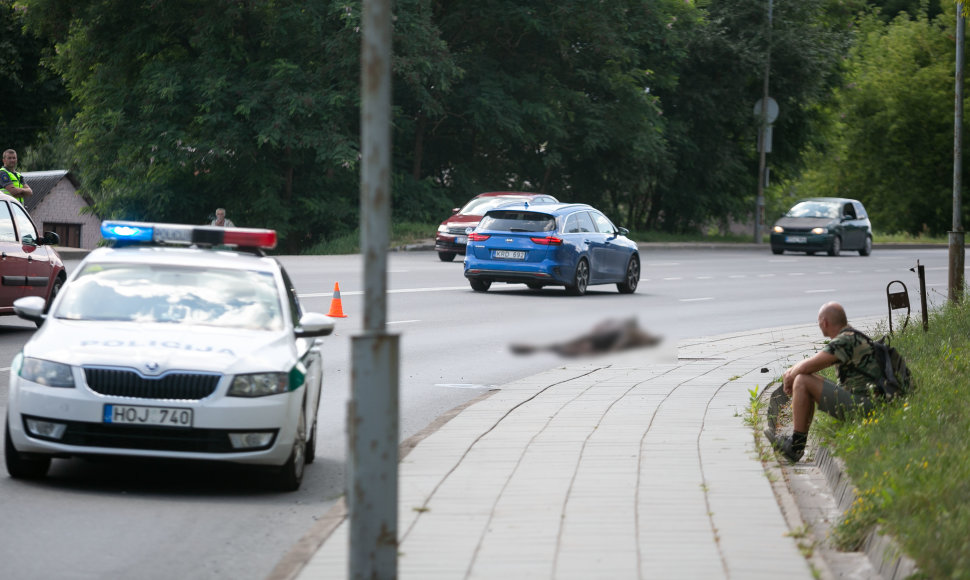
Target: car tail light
(548,241)
(476,237)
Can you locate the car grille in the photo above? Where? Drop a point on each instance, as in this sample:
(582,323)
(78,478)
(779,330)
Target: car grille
(172,385)
(457,230)
(151,438)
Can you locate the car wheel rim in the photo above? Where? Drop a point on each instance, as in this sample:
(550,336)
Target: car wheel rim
(633,274)
(582,277)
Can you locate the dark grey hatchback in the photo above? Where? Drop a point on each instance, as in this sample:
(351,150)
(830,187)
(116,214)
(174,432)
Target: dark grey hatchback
(823,224)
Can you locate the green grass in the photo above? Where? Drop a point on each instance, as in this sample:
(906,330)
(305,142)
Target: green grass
(910,459)
(402,234)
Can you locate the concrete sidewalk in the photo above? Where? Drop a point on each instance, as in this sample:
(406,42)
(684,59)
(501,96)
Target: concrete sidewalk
(627,466)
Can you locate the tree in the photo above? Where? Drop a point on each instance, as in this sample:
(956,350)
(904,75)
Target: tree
(893,134)
(32,98)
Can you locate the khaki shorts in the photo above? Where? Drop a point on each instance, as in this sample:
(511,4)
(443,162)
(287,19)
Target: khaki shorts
(837,401)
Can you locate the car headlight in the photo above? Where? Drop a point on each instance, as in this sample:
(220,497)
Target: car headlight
(820,230)
(442,229)
(45,372)
(259,385)
(778,230)
(263,384)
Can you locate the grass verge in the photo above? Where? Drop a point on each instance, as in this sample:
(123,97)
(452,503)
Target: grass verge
(909,459)
(402,234)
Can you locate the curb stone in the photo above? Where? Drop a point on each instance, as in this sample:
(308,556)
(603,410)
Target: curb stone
(822,492)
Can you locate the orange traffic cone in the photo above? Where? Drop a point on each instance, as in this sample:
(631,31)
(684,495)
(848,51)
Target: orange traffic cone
(336,309)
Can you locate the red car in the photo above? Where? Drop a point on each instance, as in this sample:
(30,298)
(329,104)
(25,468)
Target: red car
(29,265)
(453,232)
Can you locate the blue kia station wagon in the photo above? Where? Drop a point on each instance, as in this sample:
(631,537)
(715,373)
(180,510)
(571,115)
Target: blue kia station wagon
(572,245)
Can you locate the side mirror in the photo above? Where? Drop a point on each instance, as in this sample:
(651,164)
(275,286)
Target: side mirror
(311,324)
(30,308)
(623,231)
(455,210)
(51,239)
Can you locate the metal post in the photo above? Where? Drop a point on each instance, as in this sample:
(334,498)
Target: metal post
(759,210)
(373,416)
(956,242)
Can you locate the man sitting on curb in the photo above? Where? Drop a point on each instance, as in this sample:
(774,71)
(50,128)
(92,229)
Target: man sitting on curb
(852,354)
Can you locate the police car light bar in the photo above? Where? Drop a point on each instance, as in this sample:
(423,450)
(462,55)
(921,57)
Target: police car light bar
(140,232)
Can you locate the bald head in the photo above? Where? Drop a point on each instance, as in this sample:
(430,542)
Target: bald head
(832,319)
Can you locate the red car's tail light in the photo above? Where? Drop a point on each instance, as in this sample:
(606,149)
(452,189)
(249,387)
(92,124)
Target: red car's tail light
(548,241)
(476,237)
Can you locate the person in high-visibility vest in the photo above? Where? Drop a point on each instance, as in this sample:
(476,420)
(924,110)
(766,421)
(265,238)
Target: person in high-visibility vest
(11,182)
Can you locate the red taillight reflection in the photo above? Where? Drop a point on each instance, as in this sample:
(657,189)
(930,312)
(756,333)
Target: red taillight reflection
(476,237)
(548,241)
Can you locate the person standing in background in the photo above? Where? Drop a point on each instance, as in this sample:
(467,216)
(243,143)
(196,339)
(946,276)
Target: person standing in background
(11,182)
(221,220)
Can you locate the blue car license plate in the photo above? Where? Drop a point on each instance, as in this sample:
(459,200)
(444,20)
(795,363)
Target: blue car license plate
(509,254)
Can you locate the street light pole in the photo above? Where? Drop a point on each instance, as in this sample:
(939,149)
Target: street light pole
(373,415)
(759,210)
(956,245)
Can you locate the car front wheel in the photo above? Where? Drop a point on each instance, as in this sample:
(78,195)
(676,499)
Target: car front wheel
(20,466)
(446,256)
(836,248)
(777,251)
(290,475)
(479,285)
(866,248)
(580,280)
(632,278)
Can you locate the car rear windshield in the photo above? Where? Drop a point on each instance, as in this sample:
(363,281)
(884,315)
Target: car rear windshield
(145,293)
(518,221)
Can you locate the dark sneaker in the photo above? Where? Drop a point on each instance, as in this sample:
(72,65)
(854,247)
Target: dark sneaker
(786,447)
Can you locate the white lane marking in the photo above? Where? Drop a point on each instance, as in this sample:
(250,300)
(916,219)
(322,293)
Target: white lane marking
(5,369)
(402,291)
(402,321)
(463,386)
(705,277)
(663,263)
(825,272)
(737,276)
(696,299)
(796,273)
(820,291)
(676,278)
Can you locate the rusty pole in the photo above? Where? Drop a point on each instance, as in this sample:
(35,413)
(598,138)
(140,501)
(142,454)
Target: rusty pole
(373,415)
(956,242)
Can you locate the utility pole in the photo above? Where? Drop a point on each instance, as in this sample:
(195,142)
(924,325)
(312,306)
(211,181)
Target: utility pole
(373,415)
(956,245)
(764,140)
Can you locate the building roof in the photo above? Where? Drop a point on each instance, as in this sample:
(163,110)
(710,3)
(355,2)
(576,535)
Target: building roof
(42,182)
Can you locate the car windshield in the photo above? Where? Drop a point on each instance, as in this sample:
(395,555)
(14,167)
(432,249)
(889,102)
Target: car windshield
(480,205)
(518,221)
(146,293)
(815,209)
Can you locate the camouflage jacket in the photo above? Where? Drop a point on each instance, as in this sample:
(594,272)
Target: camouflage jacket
(857,362)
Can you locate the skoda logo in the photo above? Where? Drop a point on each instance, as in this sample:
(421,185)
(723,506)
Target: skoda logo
(151,367)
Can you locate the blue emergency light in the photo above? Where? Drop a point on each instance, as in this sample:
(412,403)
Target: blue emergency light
(126,233)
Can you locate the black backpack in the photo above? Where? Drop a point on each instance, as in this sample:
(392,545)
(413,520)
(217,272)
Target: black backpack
(896,380)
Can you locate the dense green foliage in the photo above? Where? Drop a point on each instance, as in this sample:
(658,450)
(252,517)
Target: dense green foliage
(641,107)
(908,460)
(32,98)
(891,135)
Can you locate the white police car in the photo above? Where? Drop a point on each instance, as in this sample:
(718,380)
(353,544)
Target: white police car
(178,341)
